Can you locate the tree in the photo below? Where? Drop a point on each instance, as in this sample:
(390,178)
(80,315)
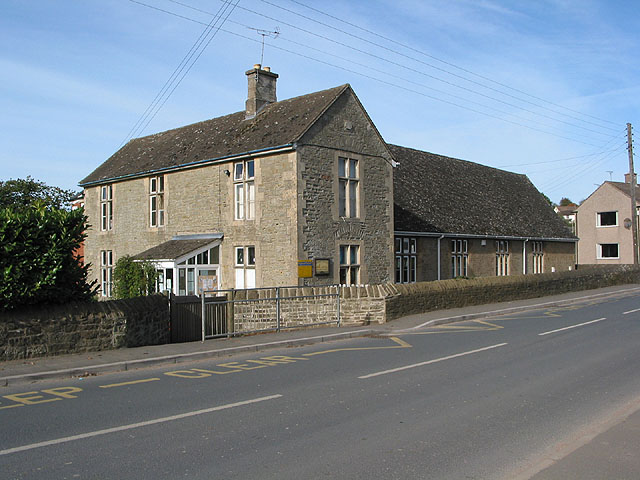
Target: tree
(38,263)
(133,279)
(22,193)
(565,202)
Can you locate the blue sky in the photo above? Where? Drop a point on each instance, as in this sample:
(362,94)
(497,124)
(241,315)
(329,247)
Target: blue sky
(543,88)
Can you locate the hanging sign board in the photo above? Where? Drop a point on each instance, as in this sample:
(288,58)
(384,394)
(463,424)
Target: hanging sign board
(305,269)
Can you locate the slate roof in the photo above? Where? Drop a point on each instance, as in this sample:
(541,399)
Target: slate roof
(277,124)
(177,247)
(438,194)
(624,188)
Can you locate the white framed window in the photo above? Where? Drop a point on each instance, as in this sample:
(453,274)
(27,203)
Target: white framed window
(244,189)
(406,259)
(349,264)
(106,272)
(538,257)
(205,263)
(502,258)
(106,208)
(608,251)
(156,201)
(245,266)
(348,187)
(459,258)
(607,219)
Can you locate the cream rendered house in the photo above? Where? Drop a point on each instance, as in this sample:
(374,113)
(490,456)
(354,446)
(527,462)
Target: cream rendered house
(604,225)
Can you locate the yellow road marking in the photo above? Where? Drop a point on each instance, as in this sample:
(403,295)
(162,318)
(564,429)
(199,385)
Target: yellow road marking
(133,382)
(401,344)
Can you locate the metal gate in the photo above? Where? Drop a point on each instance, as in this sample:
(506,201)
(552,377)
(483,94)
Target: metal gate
(187,318)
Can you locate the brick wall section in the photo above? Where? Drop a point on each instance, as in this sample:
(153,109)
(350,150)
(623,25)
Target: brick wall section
(84,327)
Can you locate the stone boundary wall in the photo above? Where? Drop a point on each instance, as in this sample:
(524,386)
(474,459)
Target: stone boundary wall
(424,297)
(84,327)
(95,326)
(371,304)
(361,305)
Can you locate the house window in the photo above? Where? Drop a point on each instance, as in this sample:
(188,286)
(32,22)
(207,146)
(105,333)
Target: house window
(156,201)
(459,258)
(349,264)
(106,207)
(538,265)
(502,258)
(608,250)
(348,187)
(607,219)
(244,190)
(245,267)
(106,271)
(406,259)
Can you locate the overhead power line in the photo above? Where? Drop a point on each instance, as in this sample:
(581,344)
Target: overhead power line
(557,160)
(408,47)
(410,69)
(183,68)
(558,183)
(378,79)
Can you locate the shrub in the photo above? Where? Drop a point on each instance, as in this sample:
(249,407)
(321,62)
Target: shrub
(133,279)
(38,263)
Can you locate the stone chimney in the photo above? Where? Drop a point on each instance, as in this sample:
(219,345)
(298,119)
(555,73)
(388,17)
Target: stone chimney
(262,89)
(627,178)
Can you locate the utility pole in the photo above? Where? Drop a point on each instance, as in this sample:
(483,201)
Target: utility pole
(634,217)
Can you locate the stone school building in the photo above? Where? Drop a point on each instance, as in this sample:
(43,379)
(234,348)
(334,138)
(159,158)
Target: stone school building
(305,191)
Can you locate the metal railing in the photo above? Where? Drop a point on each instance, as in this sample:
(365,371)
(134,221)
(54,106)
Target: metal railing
(236,312)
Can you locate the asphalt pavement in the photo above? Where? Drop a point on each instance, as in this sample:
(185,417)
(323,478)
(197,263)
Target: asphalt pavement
(613,446)
(93,363)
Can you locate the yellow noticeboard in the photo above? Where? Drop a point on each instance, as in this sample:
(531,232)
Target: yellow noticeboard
(305,269)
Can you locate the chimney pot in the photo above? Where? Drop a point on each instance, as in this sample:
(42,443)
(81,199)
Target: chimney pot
(267,69)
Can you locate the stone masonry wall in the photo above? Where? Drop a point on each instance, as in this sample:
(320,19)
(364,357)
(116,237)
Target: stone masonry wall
(417,298)
(345,131)
(201,200)
(84,327)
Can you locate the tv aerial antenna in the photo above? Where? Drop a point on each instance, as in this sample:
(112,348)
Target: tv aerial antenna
(265,33)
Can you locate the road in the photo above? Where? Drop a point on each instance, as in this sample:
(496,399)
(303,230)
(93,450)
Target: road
(493,398)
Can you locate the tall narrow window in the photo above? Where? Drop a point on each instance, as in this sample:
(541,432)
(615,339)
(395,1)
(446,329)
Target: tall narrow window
(538,257)
(349,265)
(459,258)
(406,260)
(502,258)
(245,267)
(156,201)
(106,207)
(106,270)
(348,187)
(244,190)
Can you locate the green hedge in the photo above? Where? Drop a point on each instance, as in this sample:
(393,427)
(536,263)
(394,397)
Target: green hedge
(38,263)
